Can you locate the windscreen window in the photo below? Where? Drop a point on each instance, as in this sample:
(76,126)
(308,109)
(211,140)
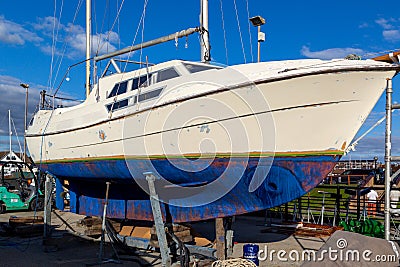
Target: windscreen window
(193,68)
(167,74)
(119,88)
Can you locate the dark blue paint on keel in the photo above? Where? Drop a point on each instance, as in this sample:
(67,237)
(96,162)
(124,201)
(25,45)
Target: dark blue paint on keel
(288,178)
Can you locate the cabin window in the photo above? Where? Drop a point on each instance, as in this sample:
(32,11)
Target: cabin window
(167,74)
(119,88)
(118,105)
(150,95)
(193,68)
(141,81)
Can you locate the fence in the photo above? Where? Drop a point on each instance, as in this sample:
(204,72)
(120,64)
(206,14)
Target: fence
(330,204)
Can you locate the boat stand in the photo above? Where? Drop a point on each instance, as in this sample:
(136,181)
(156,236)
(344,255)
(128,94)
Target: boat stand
(47,207)
(168,252)
(104,231)
(225,236)
(158,221)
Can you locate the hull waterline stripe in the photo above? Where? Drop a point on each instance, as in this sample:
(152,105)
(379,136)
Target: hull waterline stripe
(237,155)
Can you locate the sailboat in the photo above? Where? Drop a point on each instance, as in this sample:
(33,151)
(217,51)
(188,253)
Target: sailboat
(221,141)
(9,169)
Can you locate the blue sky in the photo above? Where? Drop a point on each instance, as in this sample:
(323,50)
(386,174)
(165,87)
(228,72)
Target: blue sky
(294,30)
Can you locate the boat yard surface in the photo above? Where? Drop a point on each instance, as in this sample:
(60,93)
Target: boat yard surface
(68,249)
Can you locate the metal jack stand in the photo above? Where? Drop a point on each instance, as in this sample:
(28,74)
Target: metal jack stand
(47,206)
(158,221)
(103,232)
(47,239)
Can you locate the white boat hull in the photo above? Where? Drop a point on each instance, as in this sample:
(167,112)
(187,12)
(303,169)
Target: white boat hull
(231,130)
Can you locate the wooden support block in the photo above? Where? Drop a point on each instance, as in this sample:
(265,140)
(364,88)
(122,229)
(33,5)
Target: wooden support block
(175,228)
(126,230)
(220,238)
(182,234)
(141,232)
(29,220)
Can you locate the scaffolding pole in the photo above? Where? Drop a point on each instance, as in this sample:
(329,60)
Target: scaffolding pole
(388,146)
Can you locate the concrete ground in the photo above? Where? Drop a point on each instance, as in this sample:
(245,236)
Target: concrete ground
(68,248)
(252,230)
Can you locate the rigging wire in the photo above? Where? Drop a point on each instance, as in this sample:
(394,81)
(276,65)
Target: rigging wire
(248,22)
(138,28)
(102,25)
(129,54)
(1,125)
(240,32)
(64,48)
(49,81)
(119,31)
(55,40)
(3,119)
(223,28)
(93,14)
(112,27)
(141,21)
(16,135)
(144,18)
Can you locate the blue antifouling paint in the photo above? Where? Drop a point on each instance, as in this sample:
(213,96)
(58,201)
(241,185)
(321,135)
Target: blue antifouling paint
(59,195)
(250,252)
(262,185)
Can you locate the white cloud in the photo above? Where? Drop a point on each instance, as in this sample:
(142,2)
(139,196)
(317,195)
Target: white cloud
(391,29)
(391,35)
(13,98)
(47,25)
(71,38)
(384,23)
(13,33)
(330,53)
(75,37)
(103,43)
(372,146)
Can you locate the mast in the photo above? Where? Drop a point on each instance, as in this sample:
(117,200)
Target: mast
(204,40)
(88,32)
(9,128)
